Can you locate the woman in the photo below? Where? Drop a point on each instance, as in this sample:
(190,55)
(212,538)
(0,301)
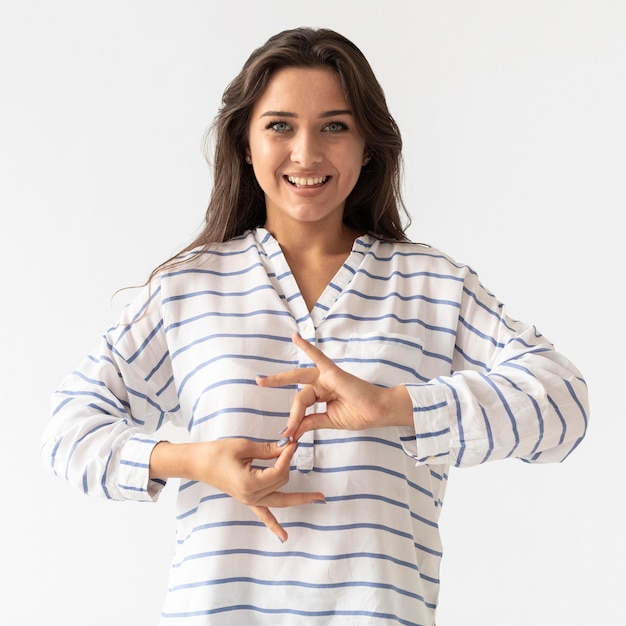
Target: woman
(315,356)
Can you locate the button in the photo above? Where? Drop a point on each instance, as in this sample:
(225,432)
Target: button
(308,329)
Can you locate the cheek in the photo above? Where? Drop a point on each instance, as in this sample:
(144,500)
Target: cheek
(352,158)
(266,158)
(352,168)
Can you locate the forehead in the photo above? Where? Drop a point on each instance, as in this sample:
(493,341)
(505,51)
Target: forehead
(302,88)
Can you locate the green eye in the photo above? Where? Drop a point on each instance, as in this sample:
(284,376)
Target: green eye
(279,127)
(336,127)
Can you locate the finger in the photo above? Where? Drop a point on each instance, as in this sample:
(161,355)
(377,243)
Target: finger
(284,499)
(268,479)
(305,398)
(298,376)
(280,499)
(316,355)
(283,462)
(266,450)
(313,421)
(267,517)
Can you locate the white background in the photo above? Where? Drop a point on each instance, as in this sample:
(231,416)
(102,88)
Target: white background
(512,114)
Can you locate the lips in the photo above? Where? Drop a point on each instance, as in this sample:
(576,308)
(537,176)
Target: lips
(311,181)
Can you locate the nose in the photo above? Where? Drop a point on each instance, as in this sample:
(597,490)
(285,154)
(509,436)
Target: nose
(306,149)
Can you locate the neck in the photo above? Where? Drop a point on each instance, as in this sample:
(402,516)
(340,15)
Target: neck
(313,239)
(314,255)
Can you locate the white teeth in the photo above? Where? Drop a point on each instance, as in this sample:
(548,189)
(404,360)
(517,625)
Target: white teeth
(296,180)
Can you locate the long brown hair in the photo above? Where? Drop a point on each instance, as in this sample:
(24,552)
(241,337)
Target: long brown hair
(237,202)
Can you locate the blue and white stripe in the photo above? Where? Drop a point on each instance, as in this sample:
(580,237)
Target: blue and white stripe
(187,351)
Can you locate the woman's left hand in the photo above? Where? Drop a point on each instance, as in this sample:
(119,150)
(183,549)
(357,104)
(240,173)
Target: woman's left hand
(351,403)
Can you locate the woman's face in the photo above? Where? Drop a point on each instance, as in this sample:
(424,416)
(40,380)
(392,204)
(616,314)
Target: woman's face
(306,151)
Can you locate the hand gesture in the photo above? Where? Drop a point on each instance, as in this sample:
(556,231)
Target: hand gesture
(227,465)
(351,403)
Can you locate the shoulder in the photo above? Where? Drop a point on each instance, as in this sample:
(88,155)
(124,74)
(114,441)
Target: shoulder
(211,255)
(417,255)
(232,247)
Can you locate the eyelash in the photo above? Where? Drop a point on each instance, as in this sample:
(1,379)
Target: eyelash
(342,126)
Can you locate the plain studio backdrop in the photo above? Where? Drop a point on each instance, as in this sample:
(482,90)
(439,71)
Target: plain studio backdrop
(512,114)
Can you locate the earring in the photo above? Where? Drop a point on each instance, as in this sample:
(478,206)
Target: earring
(366,159)
(248,159)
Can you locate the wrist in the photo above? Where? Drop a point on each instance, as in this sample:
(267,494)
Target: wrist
(399,407)
(171,460)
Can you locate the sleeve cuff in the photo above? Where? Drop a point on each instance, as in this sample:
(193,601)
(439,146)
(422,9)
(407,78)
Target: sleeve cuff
(429,440)
(134,481)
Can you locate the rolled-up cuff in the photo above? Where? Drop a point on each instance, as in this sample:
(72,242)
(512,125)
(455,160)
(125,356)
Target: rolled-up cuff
(134,471)
(429,441)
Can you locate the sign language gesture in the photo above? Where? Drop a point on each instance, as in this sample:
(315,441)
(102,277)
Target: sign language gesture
(228,465)
(351,403)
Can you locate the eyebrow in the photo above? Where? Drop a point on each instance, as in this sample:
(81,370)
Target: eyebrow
(331,113)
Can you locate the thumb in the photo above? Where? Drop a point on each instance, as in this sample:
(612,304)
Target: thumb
(271,450)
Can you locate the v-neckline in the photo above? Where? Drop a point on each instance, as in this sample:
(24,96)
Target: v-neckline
(287,286)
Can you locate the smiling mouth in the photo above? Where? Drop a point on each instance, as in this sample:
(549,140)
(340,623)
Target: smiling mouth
(313,181)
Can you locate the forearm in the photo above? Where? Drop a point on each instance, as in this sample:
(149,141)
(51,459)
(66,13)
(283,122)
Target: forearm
(99,455)
(399,407)
(173,460)
(470,418)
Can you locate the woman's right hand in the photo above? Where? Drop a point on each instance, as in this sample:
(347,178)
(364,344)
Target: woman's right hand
(227,465)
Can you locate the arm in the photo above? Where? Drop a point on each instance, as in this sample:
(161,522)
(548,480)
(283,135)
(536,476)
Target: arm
(530,404)
(105,413)
(510,394)
(103,436)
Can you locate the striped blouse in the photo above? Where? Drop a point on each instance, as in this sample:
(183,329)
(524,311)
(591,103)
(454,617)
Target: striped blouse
(187,351)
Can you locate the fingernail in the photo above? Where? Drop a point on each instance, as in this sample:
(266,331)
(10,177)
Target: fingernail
(279,539)
(283,430)
(261,375)
(319,501)
(281,443)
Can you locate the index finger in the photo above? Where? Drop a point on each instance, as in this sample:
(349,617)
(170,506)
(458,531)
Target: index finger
(300,375)
(316,355)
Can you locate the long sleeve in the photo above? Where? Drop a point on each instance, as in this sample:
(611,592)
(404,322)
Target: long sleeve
(510,393)
(104,413)
(484,387)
